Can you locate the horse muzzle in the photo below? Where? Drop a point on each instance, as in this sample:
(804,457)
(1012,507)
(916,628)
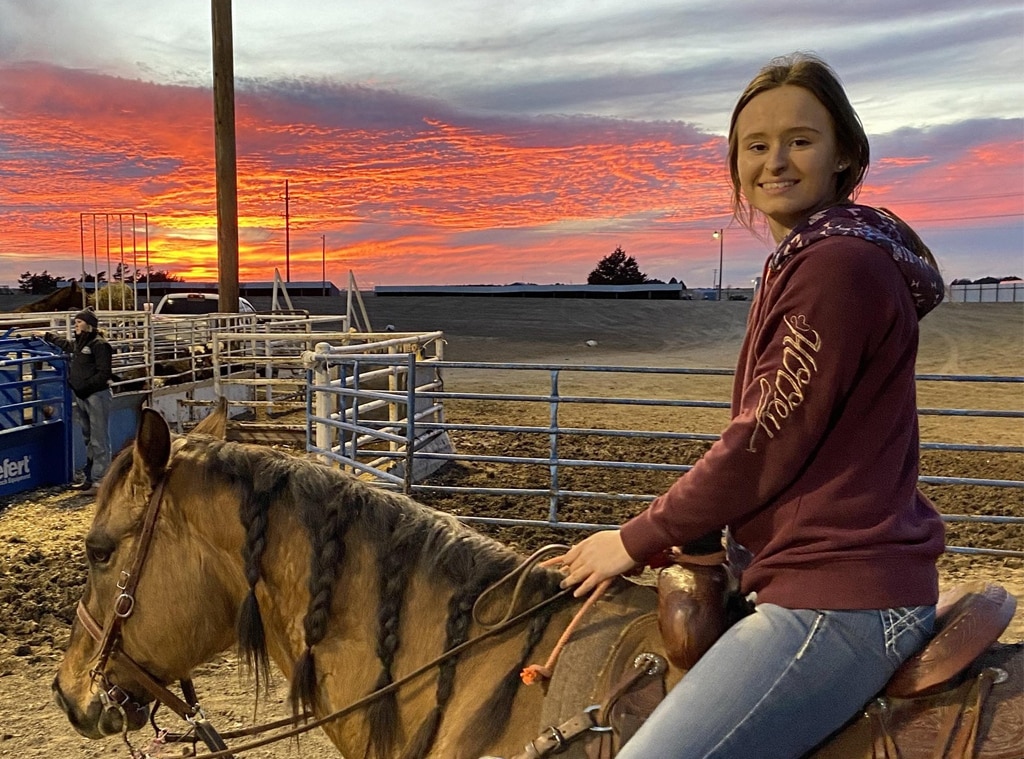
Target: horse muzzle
(106,713)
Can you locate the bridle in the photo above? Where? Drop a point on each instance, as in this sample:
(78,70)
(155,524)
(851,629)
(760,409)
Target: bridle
(110,639)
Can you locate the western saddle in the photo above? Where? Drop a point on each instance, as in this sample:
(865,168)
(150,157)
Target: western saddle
(695,606)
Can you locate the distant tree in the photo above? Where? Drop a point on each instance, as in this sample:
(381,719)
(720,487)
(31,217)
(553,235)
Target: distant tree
(617,269)
(984,280)
(158,276)
(39,284)
(122,273)
(101,277)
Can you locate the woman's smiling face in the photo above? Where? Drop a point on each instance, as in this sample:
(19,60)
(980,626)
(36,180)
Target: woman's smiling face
(787,157)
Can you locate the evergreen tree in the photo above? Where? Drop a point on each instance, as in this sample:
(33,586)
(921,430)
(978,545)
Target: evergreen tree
(122,273)
(38,284)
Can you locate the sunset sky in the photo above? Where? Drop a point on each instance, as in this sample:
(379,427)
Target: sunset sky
(471,141)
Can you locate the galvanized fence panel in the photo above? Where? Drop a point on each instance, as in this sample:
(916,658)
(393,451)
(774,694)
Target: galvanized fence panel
(1011,291)
(359,402)
(155,351)
(373,446)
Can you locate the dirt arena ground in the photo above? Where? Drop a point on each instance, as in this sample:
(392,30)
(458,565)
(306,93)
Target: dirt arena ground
(42,569)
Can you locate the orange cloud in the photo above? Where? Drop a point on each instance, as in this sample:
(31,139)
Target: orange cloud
(403,190)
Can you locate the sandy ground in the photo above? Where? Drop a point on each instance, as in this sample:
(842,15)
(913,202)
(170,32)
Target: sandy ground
(41,568)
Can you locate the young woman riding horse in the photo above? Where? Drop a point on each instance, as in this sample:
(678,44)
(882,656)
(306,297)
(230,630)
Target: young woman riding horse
(816,475)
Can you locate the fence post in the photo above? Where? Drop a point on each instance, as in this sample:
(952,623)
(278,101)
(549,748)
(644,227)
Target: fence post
(410,420)
(321,379)
(218,391)
(553,435)
(353,409)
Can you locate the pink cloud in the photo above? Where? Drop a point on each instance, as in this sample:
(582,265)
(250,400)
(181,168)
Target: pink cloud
(404,189)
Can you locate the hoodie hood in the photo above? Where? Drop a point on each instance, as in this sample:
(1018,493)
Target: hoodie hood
(923,281)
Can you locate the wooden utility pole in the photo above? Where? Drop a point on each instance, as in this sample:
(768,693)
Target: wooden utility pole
(287,237)
(224,137)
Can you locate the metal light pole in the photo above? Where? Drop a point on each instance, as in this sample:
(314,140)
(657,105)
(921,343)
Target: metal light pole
(323,263)
(719,234)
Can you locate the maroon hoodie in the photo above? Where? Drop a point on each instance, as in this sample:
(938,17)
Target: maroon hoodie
(816,475)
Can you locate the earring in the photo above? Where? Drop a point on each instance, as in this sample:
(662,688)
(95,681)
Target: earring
(842,166)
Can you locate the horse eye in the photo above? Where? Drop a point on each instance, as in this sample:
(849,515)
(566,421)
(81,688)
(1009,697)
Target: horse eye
(98,550)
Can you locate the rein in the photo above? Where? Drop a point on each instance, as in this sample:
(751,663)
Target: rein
(369,698)
(110,639)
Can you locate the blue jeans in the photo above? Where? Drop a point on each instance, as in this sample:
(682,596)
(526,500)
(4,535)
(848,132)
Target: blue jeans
(779,682)
(94,414)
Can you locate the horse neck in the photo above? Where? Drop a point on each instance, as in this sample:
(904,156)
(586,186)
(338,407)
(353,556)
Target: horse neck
(285,598)
(373,574)
(210,517)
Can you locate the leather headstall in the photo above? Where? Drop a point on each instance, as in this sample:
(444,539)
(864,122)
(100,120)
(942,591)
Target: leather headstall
(110,640)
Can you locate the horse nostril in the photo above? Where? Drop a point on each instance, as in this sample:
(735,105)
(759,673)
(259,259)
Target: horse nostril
(58,696)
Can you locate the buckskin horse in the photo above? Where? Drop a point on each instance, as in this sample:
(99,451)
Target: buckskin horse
(403,632)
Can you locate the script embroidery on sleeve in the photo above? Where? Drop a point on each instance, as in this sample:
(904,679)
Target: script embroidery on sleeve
(781,397)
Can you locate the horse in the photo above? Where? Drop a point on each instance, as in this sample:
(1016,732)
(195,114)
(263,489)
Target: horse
(398,627)
(67,298)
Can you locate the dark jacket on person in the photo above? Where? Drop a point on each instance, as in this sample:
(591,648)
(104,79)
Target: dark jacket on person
(816,475)
(91,357)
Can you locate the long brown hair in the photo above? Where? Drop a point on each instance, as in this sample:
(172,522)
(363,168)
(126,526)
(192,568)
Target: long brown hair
(815,76)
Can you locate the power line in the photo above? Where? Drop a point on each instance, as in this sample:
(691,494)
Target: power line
(970,218)
(964,197)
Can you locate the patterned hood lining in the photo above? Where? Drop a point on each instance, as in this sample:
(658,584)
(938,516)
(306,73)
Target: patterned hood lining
(878,227)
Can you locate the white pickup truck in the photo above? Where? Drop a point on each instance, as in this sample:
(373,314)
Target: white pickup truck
(196,304)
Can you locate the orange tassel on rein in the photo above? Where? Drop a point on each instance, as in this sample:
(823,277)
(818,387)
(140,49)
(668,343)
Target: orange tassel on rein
(534,673)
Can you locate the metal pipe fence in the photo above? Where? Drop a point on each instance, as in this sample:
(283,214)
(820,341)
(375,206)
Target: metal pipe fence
(369,431)
(150,350)
(1011,291)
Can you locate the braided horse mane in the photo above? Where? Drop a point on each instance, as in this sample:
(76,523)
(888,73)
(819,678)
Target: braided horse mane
(404,534)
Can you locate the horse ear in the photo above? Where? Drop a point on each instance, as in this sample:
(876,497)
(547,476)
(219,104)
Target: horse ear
(152,447)
(215,423)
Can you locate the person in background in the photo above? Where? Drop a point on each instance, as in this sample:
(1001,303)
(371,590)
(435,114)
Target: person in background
(90,376)
(816,474)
